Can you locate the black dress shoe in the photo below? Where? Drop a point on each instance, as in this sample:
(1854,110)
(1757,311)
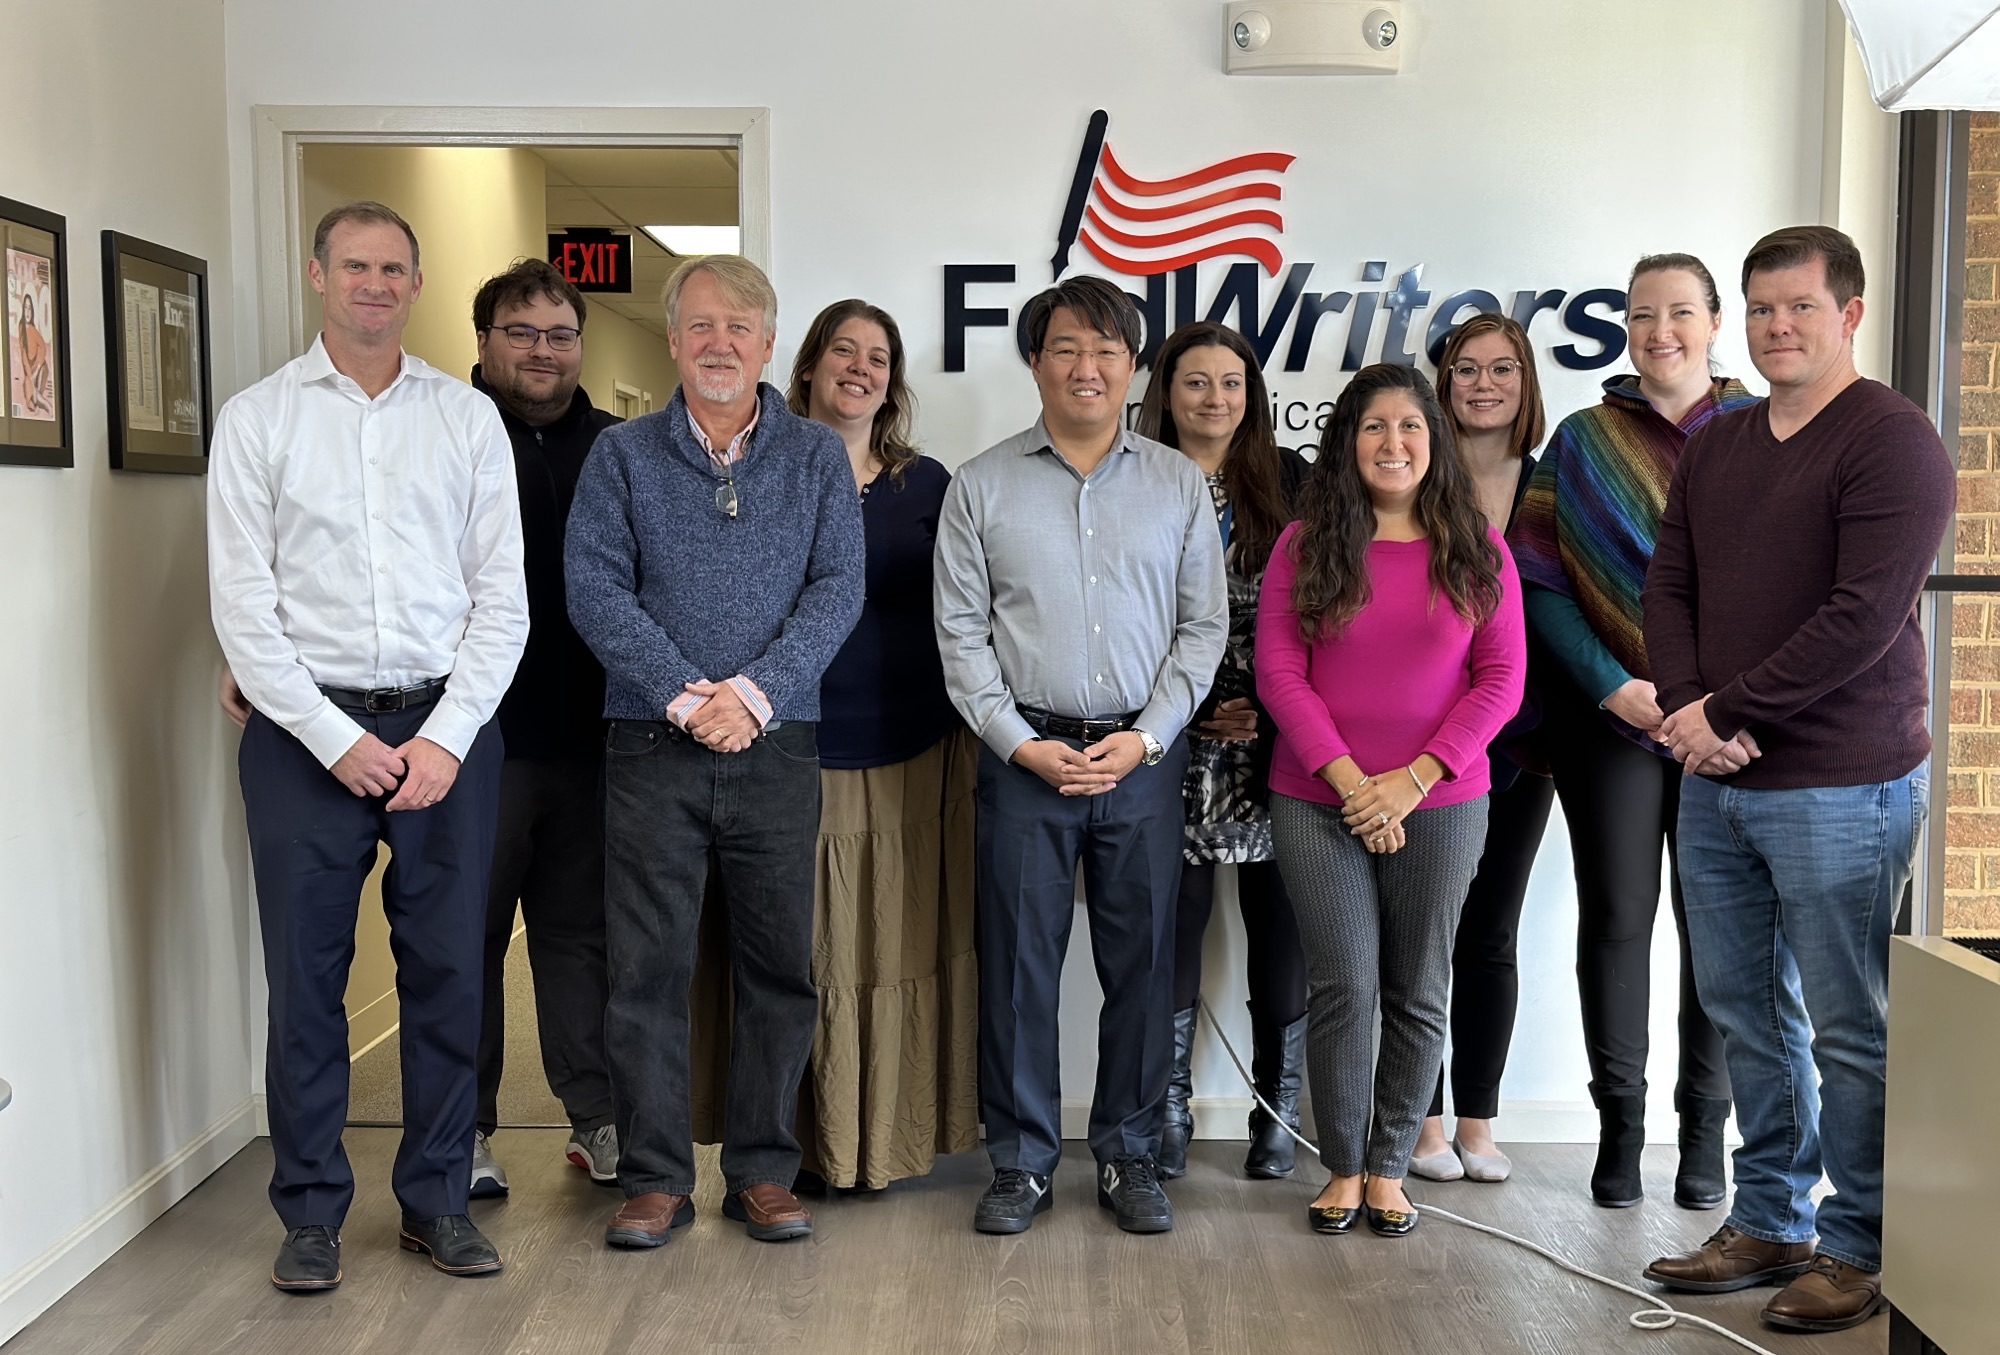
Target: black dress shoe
(456,1247)
(1130,1188)
(1392,1222)
(1012,1201)
(308,1260)
(1332,1218)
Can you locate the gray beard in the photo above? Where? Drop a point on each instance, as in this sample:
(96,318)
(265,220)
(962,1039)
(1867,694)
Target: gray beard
(719,385)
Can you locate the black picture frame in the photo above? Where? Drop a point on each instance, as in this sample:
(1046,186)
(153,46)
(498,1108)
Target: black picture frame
(157,357)
(36,423)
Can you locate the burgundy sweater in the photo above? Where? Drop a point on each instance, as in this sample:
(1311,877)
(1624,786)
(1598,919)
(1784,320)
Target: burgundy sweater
(1785,582)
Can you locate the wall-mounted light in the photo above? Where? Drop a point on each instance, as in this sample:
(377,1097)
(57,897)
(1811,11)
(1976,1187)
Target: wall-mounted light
(1313,37)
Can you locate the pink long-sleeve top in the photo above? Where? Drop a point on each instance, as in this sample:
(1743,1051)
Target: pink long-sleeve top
(1407,676)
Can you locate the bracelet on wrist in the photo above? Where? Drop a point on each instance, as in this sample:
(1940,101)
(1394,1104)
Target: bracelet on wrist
(1423,791)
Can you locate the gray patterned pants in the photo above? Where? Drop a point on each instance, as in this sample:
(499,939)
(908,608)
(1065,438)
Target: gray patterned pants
(1376,929)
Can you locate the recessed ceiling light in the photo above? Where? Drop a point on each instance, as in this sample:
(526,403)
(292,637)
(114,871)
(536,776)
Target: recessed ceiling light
(685,240)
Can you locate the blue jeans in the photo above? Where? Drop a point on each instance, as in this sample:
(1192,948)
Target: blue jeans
(1791,895)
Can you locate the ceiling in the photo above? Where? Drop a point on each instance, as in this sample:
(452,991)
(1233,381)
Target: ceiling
(631,187)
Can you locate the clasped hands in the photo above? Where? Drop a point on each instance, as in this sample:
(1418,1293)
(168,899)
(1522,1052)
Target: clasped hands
(1686,733)
(1376,806)
(424,770)
(721,722)
(1083,771)
(1232,721)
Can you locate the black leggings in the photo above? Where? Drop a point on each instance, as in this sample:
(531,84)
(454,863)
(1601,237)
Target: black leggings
(1485,981)
(1277,961)
(1621,803)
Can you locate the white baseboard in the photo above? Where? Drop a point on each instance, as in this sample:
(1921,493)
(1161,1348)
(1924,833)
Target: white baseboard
(1222,1117)
(32,1290)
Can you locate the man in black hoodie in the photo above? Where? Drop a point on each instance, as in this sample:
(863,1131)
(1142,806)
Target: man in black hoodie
(550,850)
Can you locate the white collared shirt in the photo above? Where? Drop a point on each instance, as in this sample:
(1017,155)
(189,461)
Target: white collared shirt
(365,543)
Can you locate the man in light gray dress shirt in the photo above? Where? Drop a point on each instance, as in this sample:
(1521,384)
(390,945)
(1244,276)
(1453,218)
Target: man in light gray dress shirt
(1081,612)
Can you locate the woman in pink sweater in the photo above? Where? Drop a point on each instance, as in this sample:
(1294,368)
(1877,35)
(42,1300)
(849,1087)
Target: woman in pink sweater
(1390,651)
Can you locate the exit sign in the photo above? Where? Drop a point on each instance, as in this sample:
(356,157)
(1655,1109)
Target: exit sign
(593,259)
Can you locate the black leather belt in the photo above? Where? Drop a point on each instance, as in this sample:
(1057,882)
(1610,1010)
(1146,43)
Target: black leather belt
(385,700)
(1062,726)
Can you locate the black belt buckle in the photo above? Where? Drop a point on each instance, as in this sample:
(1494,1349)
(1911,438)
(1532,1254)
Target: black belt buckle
(385,700)
(1064,726)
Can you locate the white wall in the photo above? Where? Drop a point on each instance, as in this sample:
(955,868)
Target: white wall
(1540,145)
(125,931)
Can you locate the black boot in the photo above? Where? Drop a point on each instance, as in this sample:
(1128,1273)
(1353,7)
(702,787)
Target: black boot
(1177,1125)
(1621,1138)
(1277,1061)
(1700,1184)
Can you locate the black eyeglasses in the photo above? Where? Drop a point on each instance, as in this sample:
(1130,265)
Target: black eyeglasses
(561,339)
(725,497)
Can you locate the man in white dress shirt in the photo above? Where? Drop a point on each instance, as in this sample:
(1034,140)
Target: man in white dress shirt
(366,582)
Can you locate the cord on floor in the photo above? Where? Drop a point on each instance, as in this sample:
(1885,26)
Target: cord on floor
(1658,1316)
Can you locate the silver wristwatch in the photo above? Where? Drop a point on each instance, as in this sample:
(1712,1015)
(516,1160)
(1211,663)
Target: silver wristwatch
(1154,750)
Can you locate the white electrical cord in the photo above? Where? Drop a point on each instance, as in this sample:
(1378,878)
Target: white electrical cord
(1657,1316)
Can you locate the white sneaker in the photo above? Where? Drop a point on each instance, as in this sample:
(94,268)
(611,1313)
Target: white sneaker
(596,1151)
(489,1180)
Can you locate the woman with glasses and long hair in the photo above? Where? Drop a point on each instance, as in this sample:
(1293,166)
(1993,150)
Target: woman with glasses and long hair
(1584,537)
(893,1079)
(1207,399)
(1492,395)
(1390,651)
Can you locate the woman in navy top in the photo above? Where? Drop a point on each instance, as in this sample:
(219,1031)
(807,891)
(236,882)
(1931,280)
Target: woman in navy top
(895,1063)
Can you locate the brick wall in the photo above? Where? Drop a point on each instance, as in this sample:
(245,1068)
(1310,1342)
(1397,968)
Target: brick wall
(1972,818)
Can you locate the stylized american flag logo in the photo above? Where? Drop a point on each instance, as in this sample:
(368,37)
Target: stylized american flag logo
(1174,222)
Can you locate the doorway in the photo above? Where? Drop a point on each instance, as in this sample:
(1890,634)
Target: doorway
(482,187)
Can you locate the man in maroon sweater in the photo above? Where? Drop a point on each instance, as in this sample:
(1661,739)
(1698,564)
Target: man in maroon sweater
(1781,603)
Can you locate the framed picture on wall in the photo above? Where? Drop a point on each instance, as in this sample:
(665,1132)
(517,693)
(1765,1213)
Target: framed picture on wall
(156,356)
(35,427)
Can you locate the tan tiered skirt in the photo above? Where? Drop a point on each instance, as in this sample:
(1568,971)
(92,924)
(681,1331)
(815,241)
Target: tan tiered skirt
(894,1074)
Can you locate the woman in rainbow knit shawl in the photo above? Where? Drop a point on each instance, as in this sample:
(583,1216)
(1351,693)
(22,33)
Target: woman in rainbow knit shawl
(1583,539)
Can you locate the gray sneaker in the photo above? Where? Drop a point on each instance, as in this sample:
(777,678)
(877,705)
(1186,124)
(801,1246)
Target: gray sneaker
(596,1151)
(489,1180)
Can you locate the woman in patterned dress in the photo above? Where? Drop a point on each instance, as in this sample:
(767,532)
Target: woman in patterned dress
(1208,400)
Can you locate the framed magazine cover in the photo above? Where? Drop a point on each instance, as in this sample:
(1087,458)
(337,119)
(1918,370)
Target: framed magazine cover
(35,424)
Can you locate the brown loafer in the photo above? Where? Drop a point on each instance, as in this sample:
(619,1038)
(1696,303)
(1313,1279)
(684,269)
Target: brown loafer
(769,1213)
(1728,1261)
(649,1220)
(1830,1296)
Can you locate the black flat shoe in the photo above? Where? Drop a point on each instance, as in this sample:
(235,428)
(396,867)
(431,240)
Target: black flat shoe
(455,1245)
(309,1260)
(1332,1218)
(1392,1222)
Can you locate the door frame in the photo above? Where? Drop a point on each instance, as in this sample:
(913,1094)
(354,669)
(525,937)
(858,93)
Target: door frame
(282,131)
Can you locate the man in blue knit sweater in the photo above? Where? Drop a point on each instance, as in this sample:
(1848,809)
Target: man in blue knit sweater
(714,566)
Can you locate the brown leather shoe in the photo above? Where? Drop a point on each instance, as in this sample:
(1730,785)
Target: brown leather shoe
(1830,1296)
(649,1220)
(1730,1260)
(769,1213)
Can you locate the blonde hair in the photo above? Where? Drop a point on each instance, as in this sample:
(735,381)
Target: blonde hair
(743,283)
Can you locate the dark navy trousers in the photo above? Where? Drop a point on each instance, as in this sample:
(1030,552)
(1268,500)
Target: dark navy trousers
(1031,840)
(312,844)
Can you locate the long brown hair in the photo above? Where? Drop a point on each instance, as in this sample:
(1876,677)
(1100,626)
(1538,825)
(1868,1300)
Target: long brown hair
(1250,467)
(1530,420)
(890,437)
(1337,516)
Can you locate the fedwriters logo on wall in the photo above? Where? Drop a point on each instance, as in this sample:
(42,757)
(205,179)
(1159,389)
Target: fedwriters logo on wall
(1176,237)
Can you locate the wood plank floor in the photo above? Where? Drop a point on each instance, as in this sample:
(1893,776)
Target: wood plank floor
(903,1271)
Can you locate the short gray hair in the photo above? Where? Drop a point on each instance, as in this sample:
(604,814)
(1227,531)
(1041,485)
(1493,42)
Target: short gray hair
(743,284)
